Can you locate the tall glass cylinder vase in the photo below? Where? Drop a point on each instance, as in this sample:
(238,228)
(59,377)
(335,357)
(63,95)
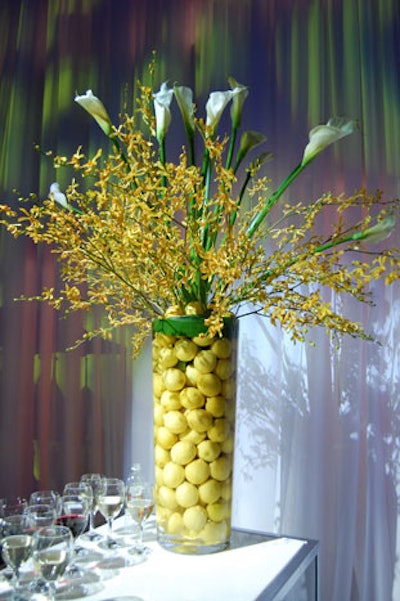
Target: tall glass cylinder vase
(194,389)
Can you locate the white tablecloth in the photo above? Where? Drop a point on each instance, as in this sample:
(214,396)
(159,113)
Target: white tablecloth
(235,575)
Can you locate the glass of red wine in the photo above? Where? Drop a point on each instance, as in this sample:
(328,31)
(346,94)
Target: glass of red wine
(74,515)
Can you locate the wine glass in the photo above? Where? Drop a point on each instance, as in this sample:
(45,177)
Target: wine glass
(12,506)
(16,549)
(9,508)
(45,497)
(140,505)
(40,515)
(79,488)
(96,482)
(74,513)
(110,501)
(52,550)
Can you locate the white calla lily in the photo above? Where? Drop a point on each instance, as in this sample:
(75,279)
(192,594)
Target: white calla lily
(56,194)
(322,136)
(380,231)
(162,102)
(184,98)
(215,106)
(240,93)
(96,109)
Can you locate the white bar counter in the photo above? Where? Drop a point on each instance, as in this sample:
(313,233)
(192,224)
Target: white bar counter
(257,566)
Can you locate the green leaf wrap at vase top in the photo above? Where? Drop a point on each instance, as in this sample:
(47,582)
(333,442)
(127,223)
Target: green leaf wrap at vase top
(189,326)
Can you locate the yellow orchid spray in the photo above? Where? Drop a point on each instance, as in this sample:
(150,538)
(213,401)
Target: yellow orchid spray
(153,237)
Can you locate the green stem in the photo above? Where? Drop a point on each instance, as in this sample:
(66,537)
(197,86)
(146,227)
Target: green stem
(206,170)
(192,158)
(231,148)
(240,198)
(162,160)
(259,218)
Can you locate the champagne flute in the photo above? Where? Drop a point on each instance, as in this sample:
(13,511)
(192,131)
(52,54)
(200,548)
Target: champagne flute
(110,502)
(96,482)
(16,549)
(52,552)
(140,505)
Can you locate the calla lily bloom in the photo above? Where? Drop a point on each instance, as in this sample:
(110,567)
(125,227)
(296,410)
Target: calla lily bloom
(250,139)
(380,231)
(96,108)
(56,194)
(240,93)
(215,106)
(162,101)
(184,98)
(322,136)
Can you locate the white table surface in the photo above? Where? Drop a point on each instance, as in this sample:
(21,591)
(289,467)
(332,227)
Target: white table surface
(239,574)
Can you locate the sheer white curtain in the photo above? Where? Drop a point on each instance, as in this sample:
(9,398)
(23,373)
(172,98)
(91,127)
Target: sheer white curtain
(318,448)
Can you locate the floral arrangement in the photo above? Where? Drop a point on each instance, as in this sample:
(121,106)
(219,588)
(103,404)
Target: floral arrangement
(143,236)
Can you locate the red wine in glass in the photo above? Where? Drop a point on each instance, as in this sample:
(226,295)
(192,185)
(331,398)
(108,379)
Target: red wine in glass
(75,522)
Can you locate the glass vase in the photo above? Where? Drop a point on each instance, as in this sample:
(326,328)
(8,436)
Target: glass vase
(194,390)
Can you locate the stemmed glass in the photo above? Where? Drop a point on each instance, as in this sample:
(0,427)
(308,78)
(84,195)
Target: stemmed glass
(96,482)
(45,497)
(52,552)
(11,515)
(140,505)
(16,549)
(74,514)
(40,516)
(12,506)
(110,502)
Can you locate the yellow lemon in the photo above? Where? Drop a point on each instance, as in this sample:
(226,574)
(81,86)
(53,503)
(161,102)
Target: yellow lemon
(175,421)
(220,469)
(187,494)
(197,471)
(208,450)
(185,350)
(209,384)
(210,491)
(195,518)
(205,361)
(222,348)
(199,420)
(174,379)
(173,474)
(191,398)
(183,452)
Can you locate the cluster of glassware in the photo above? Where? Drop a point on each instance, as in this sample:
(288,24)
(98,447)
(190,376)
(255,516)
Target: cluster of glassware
(56,533)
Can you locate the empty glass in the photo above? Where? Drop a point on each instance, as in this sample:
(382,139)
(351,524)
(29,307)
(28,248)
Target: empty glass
(45,497)
(40,516)
(96,482)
